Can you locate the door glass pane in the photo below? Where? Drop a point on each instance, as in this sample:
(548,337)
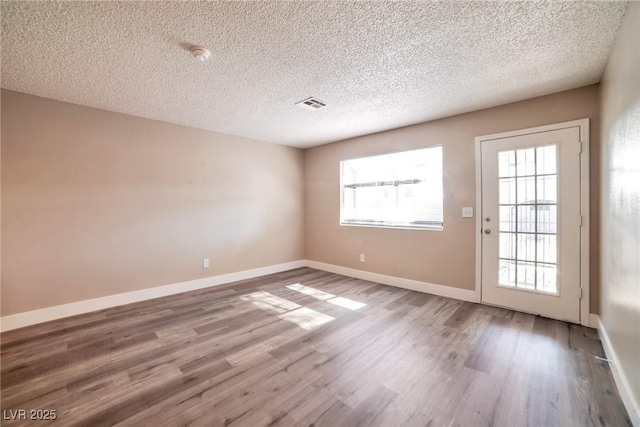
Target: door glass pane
(547,189)
(528,245)
(547,222)
(526,218)
(525,162)
(526,190)
(507,245)
(547,248)
(506,163)
(546,278)
(507,273)
(507,191)
(508,218)
(526,275)
(546,160)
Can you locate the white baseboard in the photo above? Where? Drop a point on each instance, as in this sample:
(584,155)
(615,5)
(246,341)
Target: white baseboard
(624,388)
(20,320)
(399,282)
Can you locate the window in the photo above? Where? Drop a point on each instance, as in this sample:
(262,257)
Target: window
(393,190)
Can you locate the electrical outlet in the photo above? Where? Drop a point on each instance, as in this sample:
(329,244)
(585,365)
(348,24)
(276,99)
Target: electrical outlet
(467,212)
(362,258)
(205,263)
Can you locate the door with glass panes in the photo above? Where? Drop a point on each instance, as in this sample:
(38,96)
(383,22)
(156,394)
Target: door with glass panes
(531,223)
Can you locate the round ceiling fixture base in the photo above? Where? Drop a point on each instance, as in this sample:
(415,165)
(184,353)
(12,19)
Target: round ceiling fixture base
(200,53)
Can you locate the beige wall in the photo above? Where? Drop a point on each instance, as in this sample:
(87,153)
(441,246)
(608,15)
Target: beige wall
(441,257)
(97,203)
(620,309)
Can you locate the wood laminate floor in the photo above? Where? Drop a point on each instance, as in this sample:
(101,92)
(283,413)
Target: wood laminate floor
(306,347)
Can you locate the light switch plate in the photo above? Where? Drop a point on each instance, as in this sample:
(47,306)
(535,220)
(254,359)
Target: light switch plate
(467,212)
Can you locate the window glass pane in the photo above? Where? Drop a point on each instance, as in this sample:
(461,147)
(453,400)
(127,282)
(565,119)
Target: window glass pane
(373,202)
(348,195)
(418,201)
(399,189)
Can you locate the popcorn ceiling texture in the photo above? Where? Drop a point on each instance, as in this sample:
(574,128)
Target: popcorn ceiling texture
(378,65)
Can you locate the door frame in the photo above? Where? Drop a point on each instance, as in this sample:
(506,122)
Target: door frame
(583,125)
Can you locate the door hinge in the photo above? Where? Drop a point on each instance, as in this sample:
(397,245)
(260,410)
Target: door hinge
(579,147)
(580,220)
(580,294)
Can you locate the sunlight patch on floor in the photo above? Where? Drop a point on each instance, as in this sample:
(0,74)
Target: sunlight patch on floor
(306,318)
(325,296)
(270,302)
(347,303)
(316,293)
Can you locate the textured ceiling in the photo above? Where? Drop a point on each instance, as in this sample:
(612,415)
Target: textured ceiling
(378,65)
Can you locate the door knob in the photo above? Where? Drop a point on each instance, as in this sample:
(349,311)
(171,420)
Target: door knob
(487,231)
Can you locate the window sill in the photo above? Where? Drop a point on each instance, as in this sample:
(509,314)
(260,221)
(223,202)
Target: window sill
(394,227)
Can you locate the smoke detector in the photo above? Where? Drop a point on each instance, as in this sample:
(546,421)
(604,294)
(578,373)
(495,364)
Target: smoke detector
(200,53)
(311,103)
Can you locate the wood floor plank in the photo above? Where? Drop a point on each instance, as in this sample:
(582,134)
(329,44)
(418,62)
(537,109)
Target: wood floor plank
(366,412)
(482,355)
(461,315)
(334,415)
(329,351)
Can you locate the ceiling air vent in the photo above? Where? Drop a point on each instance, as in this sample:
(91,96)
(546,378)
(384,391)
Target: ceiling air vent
(311,104)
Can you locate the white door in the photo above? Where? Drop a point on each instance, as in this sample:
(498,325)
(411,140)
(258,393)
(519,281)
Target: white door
(531,223)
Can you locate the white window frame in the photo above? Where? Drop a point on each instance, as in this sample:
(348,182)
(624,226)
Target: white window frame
(425,227)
